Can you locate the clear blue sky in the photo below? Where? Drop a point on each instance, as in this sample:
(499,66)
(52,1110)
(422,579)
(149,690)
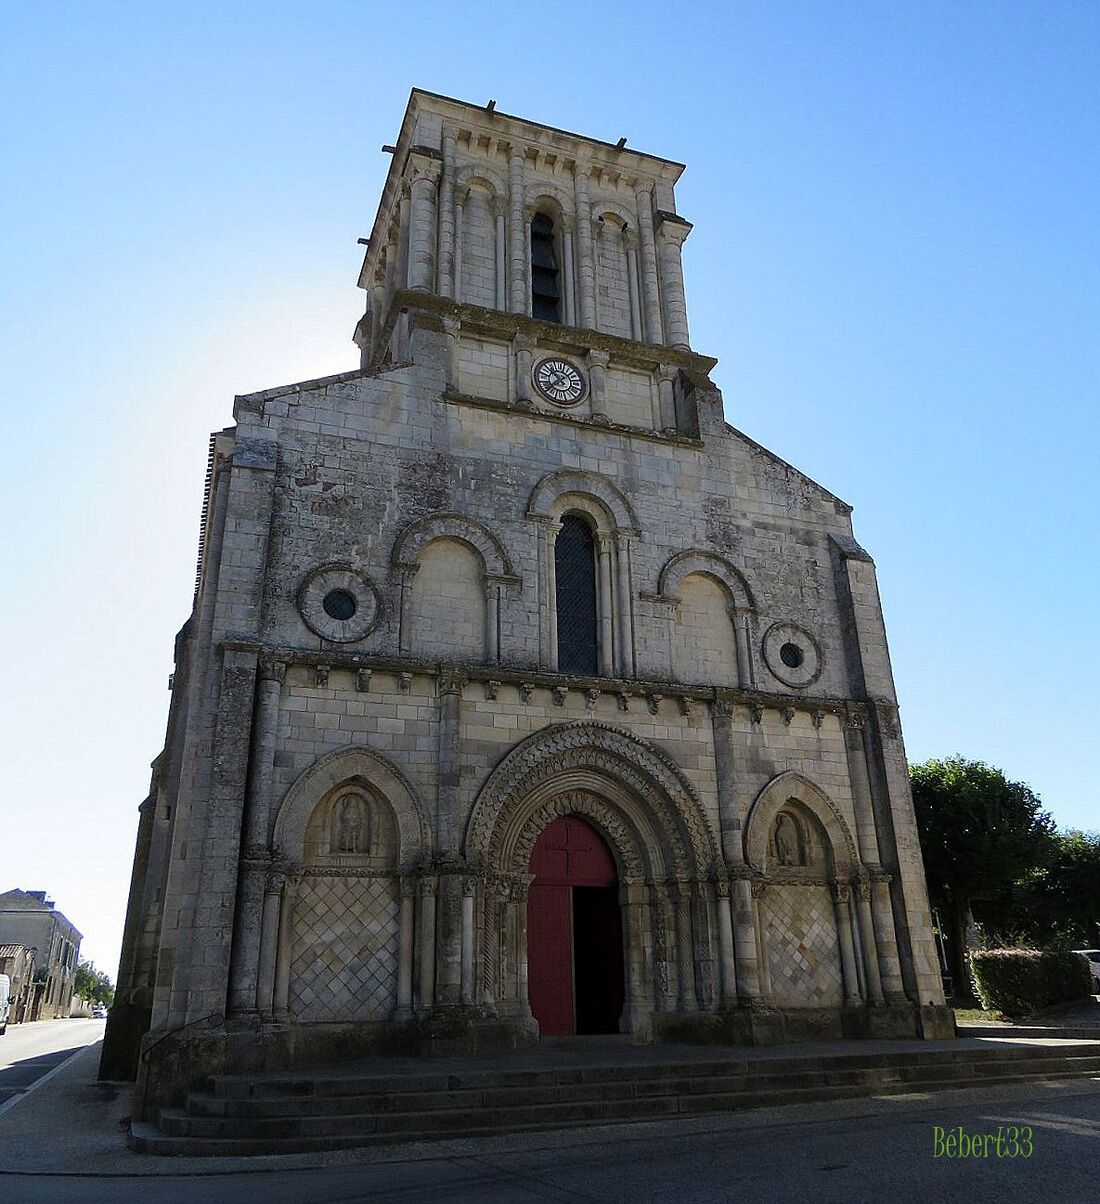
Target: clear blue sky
(895,259)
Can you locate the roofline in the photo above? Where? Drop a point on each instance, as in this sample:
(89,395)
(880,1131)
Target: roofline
(554,129)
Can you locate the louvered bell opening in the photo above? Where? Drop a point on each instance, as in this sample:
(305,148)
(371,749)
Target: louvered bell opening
(545,289)
(575,587)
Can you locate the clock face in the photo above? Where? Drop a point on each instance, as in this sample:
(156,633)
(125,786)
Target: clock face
(558,381)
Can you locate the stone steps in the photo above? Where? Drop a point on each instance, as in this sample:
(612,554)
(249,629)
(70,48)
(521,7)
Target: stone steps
(238,1115)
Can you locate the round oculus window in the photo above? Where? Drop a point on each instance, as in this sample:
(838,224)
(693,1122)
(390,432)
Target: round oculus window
(339,603)
(792,655)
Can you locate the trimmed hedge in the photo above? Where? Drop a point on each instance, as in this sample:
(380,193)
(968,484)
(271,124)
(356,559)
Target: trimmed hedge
(1018,982)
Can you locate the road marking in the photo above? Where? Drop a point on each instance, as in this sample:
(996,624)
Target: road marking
(22,1095)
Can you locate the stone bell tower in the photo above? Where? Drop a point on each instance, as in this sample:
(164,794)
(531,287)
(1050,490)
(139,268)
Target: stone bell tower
(537,226)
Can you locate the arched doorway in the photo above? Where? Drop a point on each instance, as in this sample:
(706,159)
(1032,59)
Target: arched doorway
(574,932)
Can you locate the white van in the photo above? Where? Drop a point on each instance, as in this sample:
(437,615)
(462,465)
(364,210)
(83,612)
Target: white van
(5,1002)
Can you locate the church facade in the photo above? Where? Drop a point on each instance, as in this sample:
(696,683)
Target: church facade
(521,694)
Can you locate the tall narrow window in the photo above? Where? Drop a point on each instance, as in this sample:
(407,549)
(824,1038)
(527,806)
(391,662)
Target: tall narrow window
(575,587)
(545,287)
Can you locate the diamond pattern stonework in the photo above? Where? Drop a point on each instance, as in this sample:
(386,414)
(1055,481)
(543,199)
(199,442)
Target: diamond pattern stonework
(803,952)
(344,953)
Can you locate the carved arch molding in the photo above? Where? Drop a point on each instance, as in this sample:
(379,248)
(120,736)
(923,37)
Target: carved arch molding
(642,786)
(775,795)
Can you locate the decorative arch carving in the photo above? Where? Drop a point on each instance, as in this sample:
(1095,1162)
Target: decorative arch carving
(444,525)
(684,564)
(344,768)
(588,484)
(540,191)
(775,795)
(478,173)
(623,217)
(640,784)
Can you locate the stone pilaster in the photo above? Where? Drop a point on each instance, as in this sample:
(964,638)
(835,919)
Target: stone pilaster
(651,297)
(670,236)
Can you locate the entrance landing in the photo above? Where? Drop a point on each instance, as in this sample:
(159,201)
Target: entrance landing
(576,1082)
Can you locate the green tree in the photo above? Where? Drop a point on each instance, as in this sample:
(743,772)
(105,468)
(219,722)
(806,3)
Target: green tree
(979,834)
(93,985)
(1058,904)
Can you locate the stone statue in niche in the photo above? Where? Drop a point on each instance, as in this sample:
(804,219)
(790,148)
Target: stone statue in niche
(788,845)
(351,825)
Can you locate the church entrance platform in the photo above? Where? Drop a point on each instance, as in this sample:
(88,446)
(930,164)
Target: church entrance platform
(572,1082)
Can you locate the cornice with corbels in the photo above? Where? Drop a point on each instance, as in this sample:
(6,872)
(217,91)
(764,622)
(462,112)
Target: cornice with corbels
(363,670)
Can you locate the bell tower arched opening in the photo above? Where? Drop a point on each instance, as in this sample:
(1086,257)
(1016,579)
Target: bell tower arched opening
(574,932)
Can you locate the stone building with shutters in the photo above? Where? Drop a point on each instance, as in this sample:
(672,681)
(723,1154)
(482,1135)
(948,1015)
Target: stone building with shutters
(521,694)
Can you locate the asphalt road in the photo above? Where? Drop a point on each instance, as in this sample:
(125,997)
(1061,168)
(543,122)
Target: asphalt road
(28,1051)
(870,1150)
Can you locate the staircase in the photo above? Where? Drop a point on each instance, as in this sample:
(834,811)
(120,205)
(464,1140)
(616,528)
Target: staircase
(335,1108)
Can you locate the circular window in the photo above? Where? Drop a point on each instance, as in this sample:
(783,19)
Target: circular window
(792,655)
(339,603)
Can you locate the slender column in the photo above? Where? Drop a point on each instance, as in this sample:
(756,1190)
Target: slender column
(867,942)
(841,895)
(528,305)
(468,887)
(667,398)
(518,254)
(758,890)
(405,949)
(745,943)
(450,766)
(423,228)
(689,1001)
(451,328)
(725,943)
(282,962)
(672,233)
(492,620)
(637,1004)
(521,890)
(405,584)
(746,679)
(603,556)
(248,918)
(664,960)
(886,941)
(597,371)
(446,286)
(625,590)
(449,949)
(500,261)
(704,945)
(567,277)
(654,329)
(269,943)
(523,347)
(552,530)
(725,766)
(460,236)
(632,286)
(426,929)
(882,912)
(377,310)
(586,272)
(401,269)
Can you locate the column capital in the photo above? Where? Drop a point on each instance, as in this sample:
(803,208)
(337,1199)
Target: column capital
(272,670)
(672,227)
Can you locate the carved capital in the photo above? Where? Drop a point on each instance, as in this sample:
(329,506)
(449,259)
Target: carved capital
(451,681)
(722,707)
(428,888)
(598,358)
(759,887)
(451,325)
(272,670)
(841,892)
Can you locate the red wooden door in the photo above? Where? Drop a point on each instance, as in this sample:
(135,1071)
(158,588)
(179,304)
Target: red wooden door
(574,937)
